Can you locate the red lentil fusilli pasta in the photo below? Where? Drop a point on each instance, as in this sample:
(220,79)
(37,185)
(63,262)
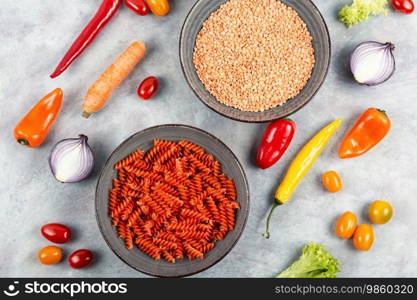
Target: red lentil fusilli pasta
(172,202)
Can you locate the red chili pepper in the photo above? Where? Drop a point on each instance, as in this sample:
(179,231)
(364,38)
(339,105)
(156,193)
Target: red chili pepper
(275,141)
(138,6)
(104,14)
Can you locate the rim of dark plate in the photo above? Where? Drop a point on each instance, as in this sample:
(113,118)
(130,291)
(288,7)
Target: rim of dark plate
(247,190)
(249,121)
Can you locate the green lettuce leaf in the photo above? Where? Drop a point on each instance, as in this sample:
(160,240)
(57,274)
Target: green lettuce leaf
(360,10)
(314,262)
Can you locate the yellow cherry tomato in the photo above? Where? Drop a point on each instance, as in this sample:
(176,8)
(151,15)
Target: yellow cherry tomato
(158,7)
(363,237)
(332,181)
(346,225)
(380,212)
(50,255)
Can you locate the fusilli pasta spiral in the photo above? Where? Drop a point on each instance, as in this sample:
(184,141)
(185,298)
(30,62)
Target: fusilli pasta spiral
(172,202)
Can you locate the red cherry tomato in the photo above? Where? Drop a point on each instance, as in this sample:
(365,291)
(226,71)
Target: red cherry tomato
(404,6)
(56,233)
(148,88)
(80,258)
(138,6)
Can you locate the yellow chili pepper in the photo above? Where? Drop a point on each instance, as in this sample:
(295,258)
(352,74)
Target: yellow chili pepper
(301,165)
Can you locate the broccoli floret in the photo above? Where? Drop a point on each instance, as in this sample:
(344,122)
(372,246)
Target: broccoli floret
(360,10)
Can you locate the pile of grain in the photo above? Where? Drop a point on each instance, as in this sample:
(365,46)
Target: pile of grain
(254,54)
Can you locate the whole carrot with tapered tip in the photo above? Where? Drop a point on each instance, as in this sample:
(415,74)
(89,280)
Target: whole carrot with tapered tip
(112,77)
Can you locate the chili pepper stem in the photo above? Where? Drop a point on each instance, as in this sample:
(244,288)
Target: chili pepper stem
(266,234)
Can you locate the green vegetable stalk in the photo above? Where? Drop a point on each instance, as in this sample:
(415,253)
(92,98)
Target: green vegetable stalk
(314,262)
(360,10)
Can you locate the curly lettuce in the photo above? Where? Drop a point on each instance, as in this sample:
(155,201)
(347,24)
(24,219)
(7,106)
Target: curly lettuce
(314,262)
(360,10)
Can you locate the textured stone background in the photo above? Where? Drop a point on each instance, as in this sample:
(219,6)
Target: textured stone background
(33,38)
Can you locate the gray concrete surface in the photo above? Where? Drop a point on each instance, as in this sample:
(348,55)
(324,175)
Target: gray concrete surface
(34,36)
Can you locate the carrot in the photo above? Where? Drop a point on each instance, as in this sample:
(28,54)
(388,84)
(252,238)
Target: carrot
(98,94)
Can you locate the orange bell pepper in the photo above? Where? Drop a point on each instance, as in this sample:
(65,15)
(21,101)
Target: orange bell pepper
(34,127)
(372,126)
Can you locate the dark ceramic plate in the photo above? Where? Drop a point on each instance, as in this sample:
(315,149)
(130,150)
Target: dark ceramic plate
(136,258)
(321,43)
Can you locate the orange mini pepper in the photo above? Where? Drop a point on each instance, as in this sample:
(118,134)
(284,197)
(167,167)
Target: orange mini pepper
(34,127)
(372,126)
(158,7)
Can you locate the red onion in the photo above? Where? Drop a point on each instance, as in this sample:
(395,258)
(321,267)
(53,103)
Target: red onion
(372,63)
(71,160)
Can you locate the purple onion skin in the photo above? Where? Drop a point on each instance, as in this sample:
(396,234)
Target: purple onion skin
(62,145)
(353,61)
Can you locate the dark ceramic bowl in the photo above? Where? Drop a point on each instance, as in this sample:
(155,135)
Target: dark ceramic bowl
(321,43)
(144,140)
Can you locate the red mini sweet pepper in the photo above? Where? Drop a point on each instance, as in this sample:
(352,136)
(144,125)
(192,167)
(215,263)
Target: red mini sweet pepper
(275,141)
(138,6)
(104,14)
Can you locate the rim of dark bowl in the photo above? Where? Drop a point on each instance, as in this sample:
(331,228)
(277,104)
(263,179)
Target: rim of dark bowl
(236,160)
(266,119)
